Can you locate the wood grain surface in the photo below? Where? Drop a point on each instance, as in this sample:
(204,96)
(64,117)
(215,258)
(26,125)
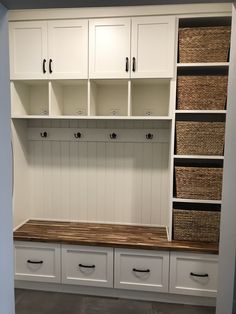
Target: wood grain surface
(112,235)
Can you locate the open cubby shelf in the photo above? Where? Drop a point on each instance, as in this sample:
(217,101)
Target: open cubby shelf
(102,99)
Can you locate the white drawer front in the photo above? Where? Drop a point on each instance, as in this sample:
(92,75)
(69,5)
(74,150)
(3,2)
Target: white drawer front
(141,270)
(193,274)
(90,266)
(37,261)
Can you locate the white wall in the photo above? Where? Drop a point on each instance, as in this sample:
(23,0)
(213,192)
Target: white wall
(228,216)
(6,244)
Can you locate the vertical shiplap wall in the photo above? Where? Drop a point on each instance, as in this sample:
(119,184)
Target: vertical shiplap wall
(21,209)
(99,181)
(6,240)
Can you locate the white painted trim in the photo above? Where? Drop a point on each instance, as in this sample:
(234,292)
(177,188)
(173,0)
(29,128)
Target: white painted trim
(117,293)
(188,200)
(199,157)
(44,117)
(97,222)
(101,12)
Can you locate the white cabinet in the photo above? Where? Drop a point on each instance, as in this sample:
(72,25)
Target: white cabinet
(193,274)
(54,49)
(141,270)
(149,53)
(88,266)
(68,48)
(152,47)
(28,50)
(109,48)
(37,261)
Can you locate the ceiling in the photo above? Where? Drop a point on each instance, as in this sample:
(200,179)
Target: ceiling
(40,4)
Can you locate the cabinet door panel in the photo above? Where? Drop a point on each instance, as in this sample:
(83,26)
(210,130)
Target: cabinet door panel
(68,48)
(28,49)
(153,46)
(109,48)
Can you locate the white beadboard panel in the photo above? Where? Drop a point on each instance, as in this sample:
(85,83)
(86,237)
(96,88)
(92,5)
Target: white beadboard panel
(99,181)
(100,124)
(20,173)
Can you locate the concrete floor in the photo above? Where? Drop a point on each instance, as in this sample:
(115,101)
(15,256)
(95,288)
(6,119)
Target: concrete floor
(37,302)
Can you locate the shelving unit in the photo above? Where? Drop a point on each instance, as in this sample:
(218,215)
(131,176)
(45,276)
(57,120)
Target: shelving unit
(99,148)
(198,115)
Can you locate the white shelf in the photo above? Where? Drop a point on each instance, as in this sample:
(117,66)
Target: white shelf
(185,200)
(146,118)
(199,157)
(205,64)
(201,111)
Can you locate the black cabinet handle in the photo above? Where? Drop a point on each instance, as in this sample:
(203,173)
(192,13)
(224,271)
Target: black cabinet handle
(127,64)
(134,64)
(44,134)
(34,262)
(113,136)
(44,66)
(149,136)
(77,135)
(86,266)
(50,65)
(141,270)
(199,275)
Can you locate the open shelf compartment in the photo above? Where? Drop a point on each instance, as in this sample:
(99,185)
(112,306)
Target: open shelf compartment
(69,98)
(150,97)
(109,98)
(29,98)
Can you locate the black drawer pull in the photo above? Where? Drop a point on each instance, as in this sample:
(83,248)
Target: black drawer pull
(50,66)
(127,64)
(134,64)
(199,275)
(141,270)
(86,266)
(44,64)
(34,262)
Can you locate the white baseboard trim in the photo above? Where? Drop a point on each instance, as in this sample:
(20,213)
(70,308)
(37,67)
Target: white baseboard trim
(116,293)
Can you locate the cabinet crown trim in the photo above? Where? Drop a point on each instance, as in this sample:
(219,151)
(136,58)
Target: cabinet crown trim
(101,12)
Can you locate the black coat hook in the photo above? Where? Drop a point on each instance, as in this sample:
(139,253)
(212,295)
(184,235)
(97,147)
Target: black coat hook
(77,135)
(113,136)
(44,134)
(149,136)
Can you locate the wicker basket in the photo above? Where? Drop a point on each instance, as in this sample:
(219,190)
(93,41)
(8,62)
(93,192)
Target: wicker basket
(202,92)
(200,138)
(195,225)
(198,183)
(204,44)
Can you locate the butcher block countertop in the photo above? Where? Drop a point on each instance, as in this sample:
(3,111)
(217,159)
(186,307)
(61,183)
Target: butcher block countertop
(112,235)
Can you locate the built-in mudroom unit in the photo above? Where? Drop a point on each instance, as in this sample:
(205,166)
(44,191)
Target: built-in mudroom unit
(118,126)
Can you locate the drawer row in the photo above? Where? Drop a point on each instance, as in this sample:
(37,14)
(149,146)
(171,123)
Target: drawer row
(156,271)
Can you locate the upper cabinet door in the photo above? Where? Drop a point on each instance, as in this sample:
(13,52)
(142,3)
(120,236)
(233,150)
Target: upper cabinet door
(28,50)
(153,47)
(109,48)
(68,49)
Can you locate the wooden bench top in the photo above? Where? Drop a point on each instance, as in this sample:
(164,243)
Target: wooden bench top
(112,235)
